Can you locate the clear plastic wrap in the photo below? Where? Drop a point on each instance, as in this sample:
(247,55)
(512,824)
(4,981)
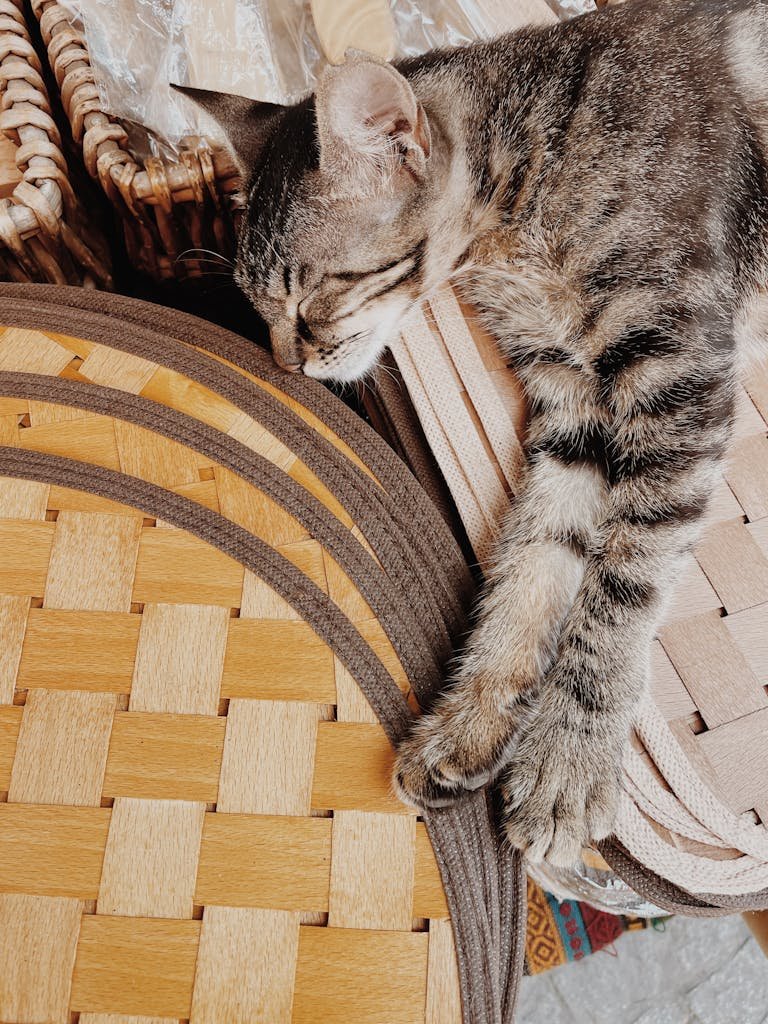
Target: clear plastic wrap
(265,49)
(593,883)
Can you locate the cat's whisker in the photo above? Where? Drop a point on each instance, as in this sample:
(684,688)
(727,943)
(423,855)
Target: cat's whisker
(190,253)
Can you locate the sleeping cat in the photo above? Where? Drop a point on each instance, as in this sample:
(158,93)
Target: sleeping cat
(599,189)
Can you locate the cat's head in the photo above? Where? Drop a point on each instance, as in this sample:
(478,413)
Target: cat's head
(342,232)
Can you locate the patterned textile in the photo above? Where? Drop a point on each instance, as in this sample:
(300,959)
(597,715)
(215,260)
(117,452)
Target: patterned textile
(560,932)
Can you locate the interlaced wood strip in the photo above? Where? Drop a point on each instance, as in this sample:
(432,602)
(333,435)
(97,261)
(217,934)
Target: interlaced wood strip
(196,816)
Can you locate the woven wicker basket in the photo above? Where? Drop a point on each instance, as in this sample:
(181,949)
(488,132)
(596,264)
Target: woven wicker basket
(219,592)
(44,232)
(165,207)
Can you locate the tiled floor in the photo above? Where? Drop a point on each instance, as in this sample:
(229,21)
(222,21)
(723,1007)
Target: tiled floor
(695,972)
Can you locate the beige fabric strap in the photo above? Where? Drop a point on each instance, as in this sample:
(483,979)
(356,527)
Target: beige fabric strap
(453,382)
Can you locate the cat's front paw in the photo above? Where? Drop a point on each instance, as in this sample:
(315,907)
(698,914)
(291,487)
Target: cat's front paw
(453,751)
(561,790)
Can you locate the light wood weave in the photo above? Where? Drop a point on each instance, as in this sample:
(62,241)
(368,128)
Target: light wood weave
(196,819)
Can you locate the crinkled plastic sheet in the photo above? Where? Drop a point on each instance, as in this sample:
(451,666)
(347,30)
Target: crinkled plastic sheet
(265,49)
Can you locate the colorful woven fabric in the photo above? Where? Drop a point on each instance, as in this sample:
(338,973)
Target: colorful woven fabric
(561,932)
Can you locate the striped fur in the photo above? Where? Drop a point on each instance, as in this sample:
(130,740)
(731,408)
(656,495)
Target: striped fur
(600,190)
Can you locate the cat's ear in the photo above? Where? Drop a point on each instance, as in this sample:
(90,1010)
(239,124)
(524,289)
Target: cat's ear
(369,124)
(245,123)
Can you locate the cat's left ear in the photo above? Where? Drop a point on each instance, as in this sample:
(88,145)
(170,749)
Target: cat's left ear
(370,124)
(246,124)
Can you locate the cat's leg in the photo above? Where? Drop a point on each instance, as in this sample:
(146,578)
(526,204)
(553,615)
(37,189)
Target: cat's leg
(469,734)
(670,427)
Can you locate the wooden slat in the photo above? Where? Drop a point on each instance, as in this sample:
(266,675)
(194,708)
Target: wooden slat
(669,693)
(246,966)
(52,851)
(176,568)
(693,593)
(256,437)
(38,935)
(428,893)
(351,703)
(128,965)
(443,992)
(179,392)
(32,352)
(92,562)
(277,660)
(62,748)
(712,668)
(13,621)
(372,870)
(81,501)
(165,757)
(150,861)
(260,601)
(747,474)
(25,549)
(251,508)
(369,977)
(80,347)
(272,861)
(353,769)
(267,766)
(41,413)
(114,369)
(202,492)
(307,556)
(90,438)
(10,722)
(23,499)
(179,659)
(65,650)
(735,565)
(155,458)
(736,753)
(748,629)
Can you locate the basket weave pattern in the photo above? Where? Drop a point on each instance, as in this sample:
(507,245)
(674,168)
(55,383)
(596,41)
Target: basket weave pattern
(166,208)
(197,820)
(43,231)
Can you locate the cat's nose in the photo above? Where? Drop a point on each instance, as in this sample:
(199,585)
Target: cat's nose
(290,367)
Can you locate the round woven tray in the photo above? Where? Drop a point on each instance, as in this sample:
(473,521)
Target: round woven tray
(217,599)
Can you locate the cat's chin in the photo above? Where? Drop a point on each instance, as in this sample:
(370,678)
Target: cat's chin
(353,367)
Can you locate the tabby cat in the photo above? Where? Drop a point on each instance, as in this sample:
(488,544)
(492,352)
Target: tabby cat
(599,189)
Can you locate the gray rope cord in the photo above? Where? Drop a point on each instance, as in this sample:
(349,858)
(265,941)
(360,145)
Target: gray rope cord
(415,531)
(419,660)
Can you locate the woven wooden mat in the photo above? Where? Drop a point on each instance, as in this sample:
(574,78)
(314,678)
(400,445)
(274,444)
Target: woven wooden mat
(196,819)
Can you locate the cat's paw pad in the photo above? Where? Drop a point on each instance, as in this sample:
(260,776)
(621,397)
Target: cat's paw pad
(556,803)
(431,770)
